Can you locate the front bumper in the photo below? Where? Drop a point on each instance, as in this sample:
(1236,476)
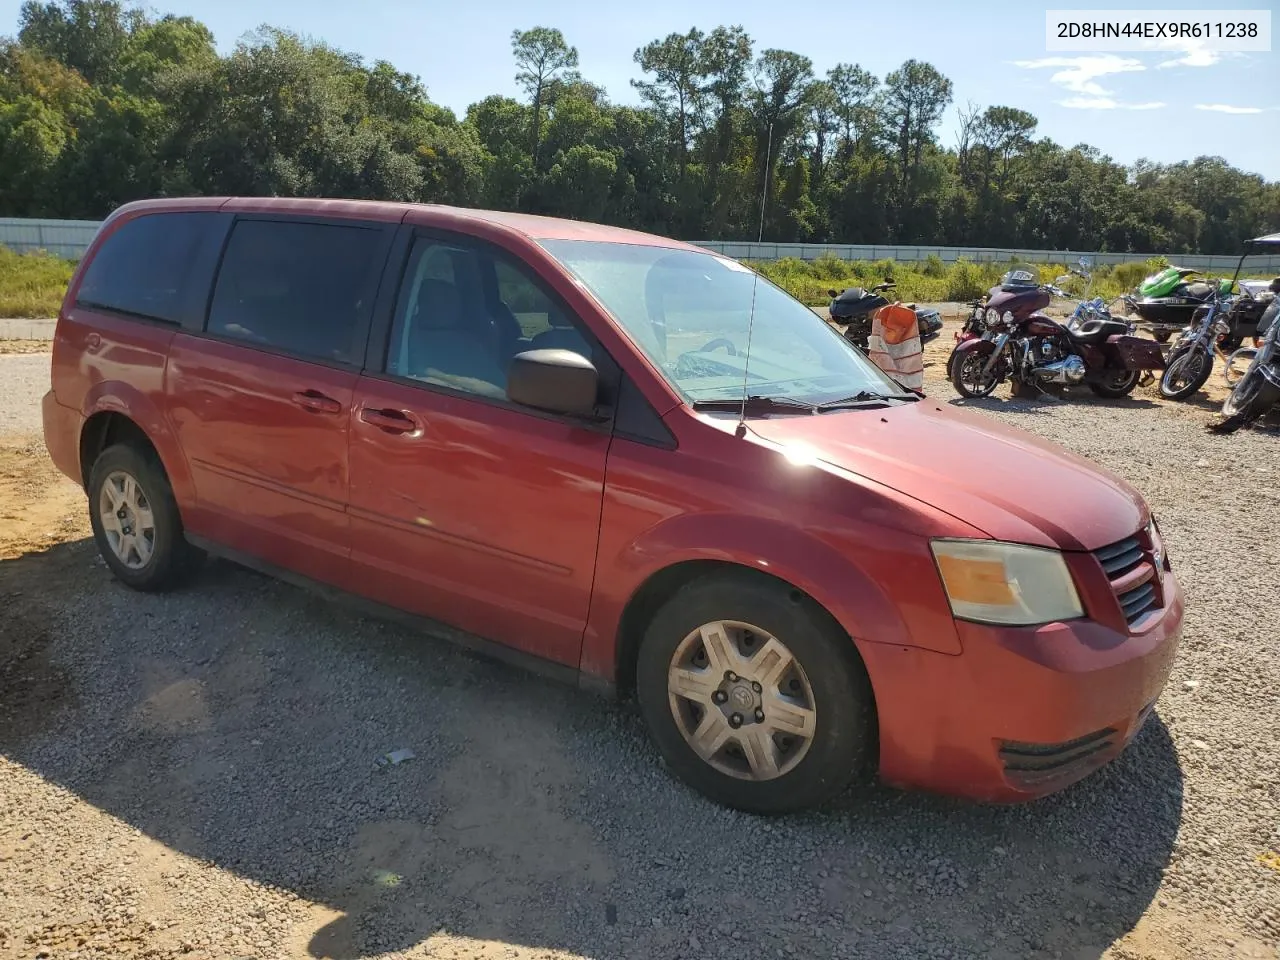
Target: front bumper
(1022,712)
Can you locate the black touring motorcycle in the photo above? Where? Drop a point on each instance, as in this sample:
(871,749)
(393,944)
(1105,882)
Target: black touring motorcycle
(856,307)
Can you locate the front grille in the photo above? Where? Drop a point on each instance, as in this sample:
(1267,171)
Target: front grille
(1034,764)
(1131,570)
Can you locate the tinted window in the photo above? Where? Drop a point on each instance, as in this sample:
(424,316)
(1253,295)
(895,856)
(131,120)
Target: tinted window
(464,312)
(303,288)
(155,266)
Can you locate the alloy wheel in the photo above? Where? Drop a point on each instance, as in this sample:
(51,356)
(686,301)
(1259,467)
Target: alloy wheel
(127,520)
(741,700)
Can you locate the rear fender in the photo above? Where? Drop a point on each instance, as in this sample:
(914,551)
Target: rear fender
(113,396)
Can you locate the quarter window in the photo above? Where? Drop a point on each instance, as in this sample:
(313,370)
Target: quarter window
(302,288)
(149,266)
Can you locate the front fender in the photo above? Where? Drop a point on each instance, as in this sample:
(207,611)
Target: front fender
(859,601)
(977,346)
(114,396)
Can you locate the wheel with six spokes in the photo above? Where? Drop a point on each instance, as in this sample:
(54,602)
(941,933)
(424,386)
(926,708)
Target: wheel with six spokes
(754,695)
(135,520)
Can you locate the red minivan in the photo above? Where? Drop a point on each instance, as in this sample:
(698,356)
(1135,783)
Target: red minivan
(627,460)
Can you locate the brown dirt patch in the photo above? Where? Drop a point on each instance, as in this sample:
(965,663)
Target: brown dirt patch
(25,346)
(39,510)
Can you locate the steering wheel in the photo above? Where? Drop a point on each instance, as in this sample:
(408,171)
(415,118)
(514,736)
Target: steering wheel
(715,344)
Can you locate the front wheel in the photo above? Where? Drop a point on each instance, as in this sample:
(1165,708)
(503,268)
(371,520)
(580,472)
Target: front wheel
(968,378)
(753,695)
(1121,383)
(1187,371)
(1252,397)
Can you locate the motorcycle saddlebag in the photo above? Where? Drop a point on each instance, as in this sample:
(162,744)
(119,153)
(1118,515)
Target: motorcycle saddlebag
(1137,353)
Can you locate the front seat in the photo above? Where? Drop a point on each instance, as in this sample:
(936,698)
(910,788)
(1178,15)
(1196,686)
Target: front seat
(444,349)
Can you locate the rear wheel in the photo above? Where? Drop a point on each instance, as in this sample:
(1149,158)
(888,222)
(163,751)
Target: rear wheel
(753,695)
(1187,371)
(1116,385)
(968,378)
(135,520)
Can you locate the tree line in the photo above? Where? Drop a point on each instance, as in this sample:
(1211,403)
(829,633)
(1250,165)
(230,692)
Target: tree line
(102,103)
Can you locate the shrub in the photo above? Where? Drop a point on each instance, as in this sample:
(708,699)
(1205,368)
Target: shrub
(32,284)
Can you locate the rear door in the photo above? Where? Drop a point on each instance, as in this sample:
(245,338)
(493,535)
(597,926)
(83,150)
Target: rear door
(262,395)
(465,507)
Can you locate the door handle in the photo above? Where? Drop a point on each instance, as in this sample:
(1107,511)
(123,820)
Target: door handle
(316,402)
(392,421)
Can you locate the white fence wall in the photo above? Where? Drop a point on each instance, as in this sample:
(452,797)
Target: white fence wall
(70,238)
(745,250)
(64,238)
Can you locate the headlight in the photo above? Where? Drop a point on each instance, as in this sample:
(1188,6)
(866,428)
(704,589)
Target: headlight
(1158,553)
(1008,316)
(1006,583)
(992,316)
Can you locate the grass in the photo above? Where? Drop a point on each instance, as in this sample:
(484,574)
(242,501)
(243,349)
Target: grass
(932,281)
(32,284)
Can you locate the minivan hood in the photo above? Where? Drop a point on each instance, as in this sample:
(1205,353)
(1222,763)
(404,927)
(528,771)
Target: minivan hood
(1006,482)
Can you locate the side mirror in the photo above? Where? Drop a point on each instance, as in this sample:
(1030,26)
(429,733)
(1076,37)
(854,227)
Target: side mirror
(833,293)
(559,381)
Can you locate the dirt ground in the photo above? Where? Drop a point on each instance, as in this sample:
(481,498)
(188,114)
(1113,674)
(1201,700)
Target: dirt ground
(171,786)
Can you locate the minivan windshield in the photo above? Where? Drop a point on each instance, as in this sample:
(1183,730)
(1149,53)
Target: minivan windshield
(689,312)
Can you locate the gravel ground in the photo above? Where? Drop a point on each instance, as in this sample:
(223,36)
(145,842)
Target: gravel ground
(24,379)
(194,775)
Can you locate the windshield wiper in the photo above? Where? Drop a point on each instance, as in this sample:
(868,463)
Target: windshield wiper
(865,398)
(757,403)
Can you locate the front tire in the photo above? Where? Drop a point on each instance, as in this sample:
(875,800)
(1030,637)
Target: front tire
(1187,371)
(1120,385)
(1252,397)
(753,695)
(135,520)
(966,376)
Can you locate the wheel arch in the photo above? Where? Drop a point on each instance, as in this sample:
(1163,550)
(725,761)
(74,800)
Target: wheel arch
(115,411)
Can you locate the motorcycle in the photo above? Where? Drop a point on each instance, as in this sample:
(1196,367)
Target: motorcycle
(1219,324)
(975,328)
(856,307)
(1258,390)
(1033,350)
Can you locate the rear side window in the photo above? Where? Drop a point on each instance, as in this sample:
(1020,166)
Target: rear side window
(156,266)
(301,288)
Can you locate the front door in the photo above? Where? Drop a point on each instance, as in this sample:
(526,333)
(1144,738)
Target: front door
(465,507)
(261,399)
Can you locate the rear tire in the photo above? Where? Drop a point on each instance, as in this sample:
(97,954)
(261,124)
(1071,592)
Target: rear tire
(1118,386)
(1180,361)
(805,732)
(135,520)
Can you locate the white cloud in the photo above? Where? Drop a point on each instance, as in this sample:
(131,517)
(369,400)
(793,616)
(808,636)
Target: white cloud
(1193,58)
(1106,103)
(1078,74)
(1226,108)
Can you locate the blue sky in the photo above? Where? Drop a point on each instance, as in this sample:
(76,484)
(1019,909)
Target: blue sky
(1169,105)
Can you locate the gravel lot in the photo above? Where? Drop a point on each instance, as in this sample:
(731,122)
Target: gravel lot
(194,774)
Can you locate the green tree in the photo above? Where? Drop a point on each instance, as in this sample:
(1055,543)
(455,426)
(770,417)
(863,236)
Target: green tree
(542,56)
